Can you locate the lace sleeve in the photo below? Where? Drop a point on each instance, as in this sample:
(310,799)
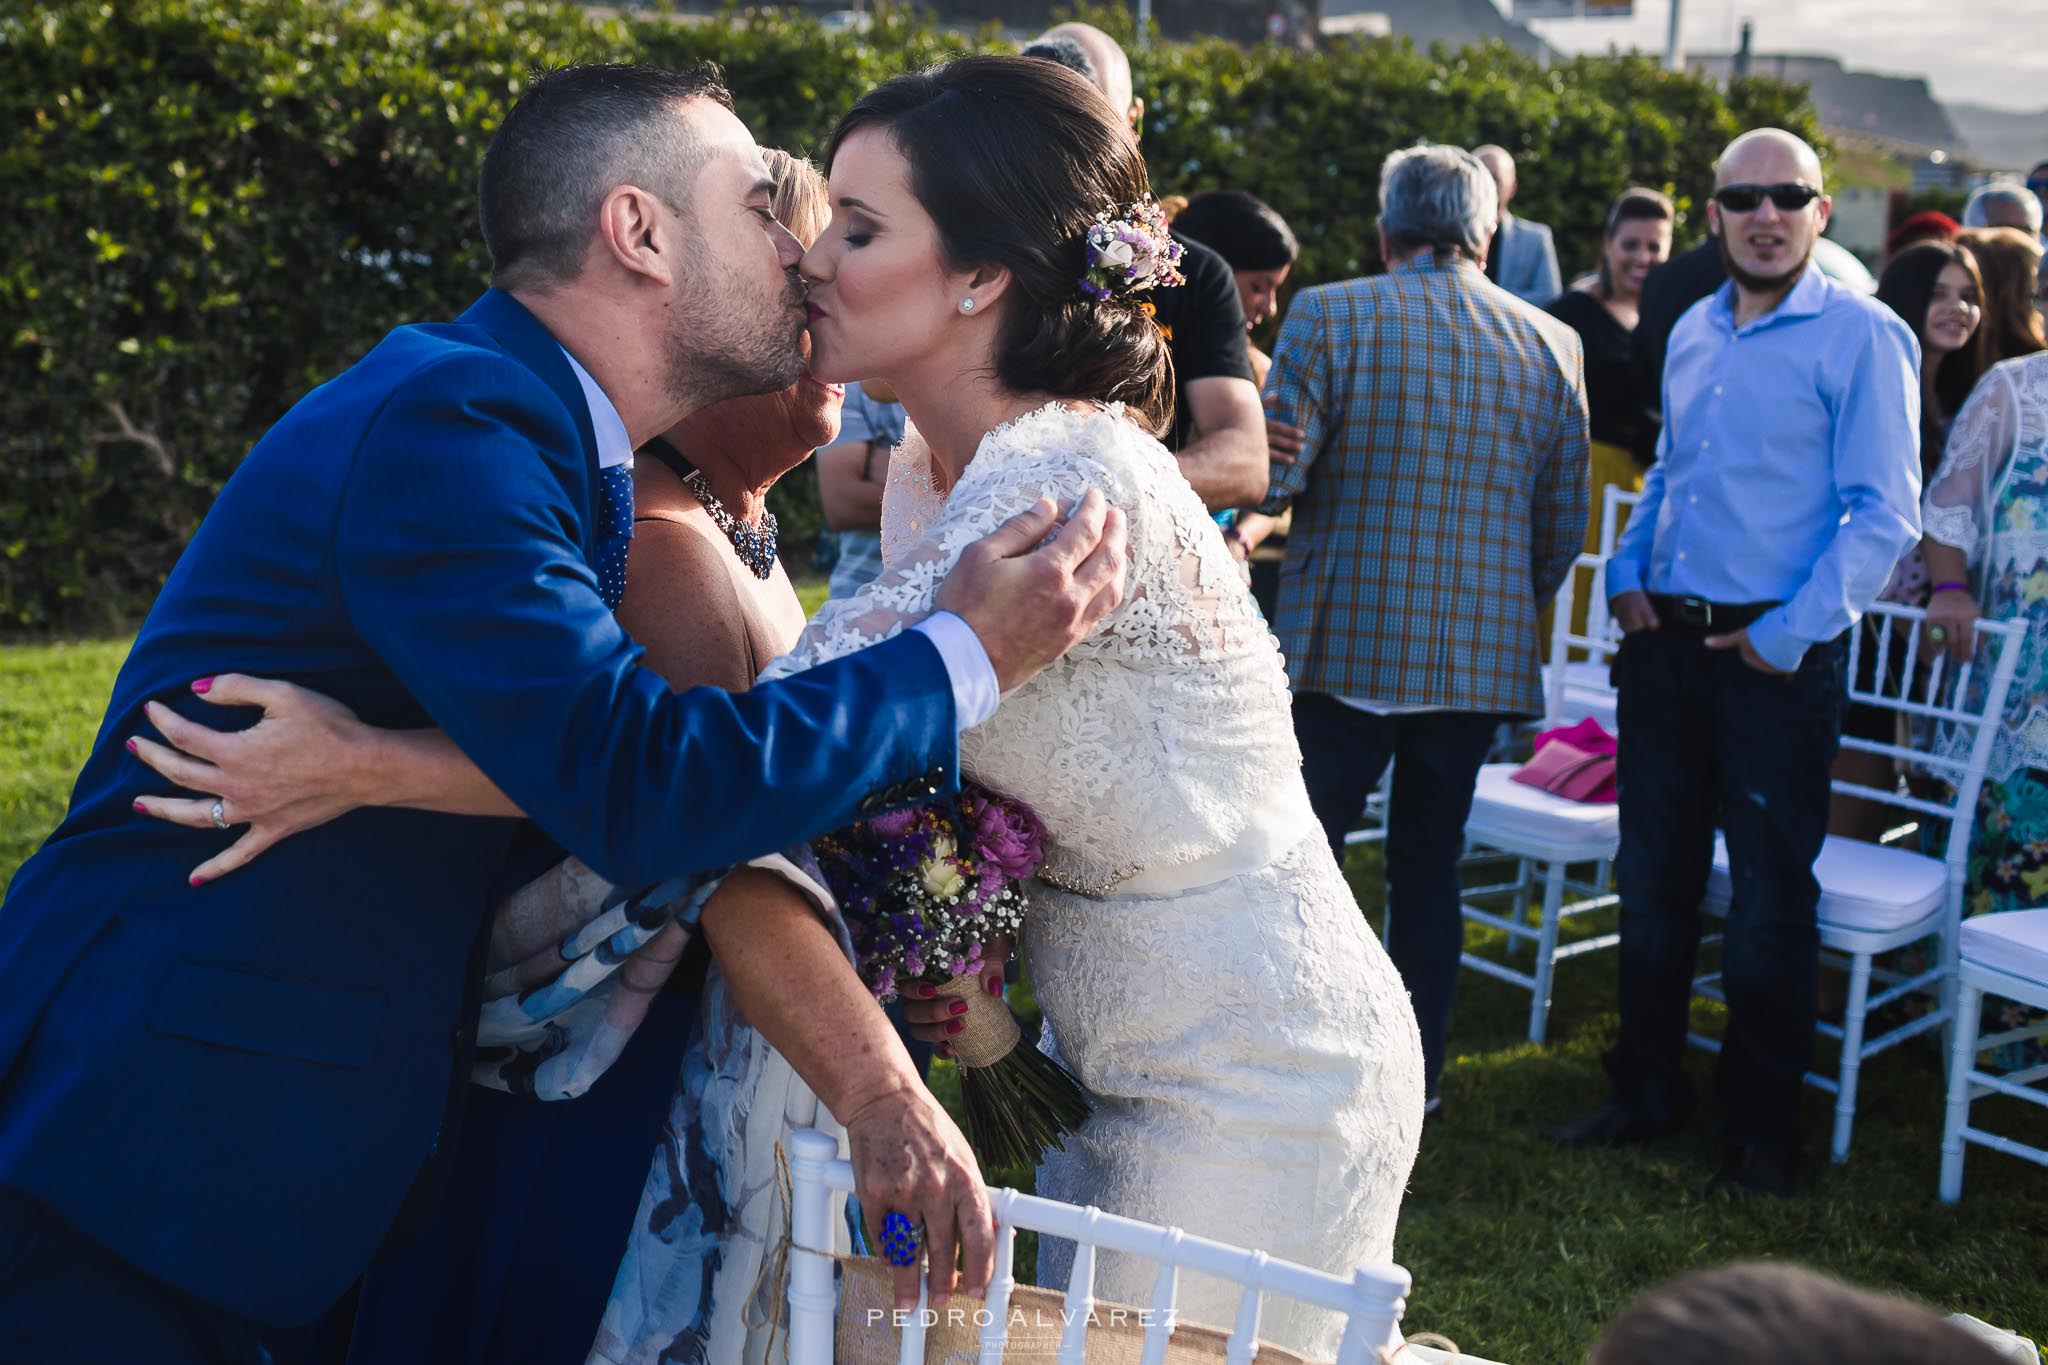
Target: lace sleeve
(1956,509)
(1061,460)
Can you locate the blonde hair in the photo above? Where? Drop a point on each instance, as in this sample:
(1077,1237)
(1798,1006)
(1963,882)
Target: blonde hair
(799,200)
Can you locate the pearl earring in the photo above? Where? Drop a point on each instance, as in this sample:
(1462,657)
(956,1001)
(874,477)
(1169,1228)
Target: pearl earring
(967,305)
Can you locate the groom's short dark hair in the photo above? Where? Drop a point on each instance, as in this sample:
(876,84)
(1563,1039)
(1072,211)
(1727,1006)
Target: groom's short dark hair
(575,134)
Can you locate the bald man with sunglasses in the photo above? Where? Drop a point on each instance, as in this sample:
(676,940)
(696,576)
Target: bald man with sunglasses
(1787,484)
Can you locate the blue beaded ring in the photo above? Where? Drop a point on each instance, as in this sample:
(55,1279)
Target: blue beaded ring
(900,1240)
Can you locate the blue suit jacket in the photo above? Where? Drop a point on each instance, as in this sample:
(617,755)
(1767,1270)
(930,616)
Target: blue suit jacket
(233,1087)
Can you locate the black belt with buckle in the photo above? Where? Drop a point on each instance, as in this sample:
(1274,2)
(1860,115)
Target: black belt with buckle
(1697,616)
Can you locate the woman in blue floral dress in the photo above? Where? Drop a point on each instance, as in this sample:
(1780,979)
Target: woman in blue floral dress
(1986,516)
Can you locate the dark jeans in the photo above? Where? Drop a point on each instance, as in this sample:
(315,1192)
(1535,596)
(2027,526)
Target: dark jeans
(1344,753)
(1706,739)
(65,1300)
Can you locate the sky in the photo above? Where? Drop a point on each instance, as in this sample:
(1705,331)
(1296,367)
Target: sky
(1992,52)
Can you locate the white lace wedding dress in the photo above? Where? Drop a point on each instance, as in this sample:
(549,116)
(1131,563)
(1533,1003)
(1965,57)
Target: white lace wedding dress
(1203,969)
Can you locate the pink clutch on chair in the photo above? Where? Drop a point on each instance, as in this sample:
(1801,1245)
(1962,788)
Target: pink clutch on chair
(1575,762)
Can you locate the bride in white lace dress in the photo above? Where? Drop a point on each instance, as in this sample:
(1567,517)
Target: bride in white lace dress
(1203,969)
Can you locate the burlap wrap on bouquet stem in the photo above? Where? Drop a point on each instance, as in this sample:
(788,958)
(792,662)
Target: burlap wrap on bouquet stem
(989,1031)
(1019,1101)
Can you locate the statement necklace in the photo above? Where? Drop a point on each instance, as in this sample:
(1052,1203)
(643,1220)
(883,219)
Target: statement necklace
(754,544)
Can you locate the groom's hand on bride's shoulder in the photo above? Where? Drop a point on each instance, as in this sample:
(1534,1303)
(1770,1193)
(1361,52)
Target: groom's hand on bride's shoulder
(1029,602)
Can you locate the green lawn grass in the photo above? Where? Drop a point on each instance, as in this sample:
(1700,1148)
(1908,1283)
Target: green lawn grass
(1519,1252)
(51,699)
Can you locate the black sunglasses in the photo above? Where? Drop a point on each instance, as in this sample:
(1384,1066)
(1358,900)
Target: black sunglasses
(1789,196)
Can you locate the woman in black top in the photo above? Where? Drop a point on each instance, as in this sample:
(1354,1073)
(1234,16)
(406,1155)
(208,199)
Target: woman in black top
(1259,247)
(1602,309)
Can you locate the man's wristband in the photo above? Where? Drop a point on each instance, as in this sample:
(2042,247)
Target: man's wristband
(1948,587)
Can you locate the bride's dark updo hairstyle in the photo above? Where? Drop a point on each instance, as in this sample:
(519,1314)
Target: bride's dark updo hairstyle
(1013,157)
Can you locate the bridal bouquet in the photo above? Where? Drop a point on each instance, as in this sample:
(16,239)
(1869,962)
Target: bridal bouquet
(924,892)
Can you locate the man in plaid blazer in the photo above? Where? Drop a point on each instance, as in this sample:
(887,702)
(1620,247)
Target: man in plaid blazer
(1439,500)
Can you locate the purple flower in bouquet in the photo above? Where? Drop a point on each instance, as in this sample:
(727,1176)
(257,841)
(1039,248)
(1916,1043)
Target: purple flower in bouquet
(992,883)
(897,824)
(1009,837)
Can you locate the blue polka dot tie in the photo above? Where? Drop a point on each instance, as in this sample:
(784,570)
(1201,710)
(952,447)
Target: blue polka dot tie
(615,513)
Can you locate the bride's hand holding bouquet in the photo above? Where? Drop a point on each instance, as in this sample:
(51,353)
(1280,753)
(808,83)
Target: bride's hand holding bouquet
(935,1019)
(933,898)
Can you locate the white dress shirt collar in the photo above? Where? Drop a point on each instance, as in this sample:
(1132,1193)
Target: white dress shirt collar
(614,447)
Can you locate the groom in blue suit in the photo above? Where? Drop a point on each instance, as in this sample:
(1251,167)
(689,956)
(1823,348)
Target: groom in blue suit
(214,1098)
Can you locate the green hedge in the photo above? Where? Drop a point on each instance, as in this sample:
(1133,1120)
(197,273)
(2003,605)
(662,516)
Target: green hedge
(219,203)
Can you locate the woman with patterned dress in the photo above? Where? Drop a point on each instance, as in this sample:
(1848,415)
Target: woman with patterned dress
(1986,515)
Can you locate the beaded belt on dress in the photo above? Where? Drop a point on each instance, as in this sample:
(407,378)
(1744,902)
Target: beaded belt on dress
(1279,821)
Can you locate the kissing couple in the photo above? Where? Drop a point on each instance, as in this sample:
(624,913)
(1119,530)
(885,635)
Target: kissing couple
(218,1095)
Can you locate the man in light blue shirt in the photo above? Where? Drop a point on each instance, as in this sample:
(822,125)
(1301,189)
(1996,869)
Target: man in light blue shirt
(1787,485)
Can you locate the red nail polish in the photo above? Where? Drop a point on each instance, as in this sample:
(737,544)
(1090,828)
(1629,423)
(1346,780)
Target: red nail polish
(955,1026)
(141,809)
(132,749)
(995,985)
(202,685)
(197,880)
(923,992)
(957,1007)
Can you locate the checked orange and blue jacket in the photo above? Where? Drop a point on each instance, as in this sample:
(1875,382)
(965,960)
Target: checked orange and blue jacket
(1441,493)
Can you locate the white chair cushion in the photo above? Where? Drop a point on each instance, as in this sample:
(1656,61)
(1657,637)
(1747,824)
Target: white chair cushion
(1518,818)
(2014,941)
(1869,888)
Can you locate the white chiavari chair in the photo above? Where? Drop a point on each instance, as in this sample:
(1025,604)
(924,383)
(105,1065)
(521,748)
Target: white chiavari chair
(2006,956)
(1546,835)
(1372,1298)
(1875,898)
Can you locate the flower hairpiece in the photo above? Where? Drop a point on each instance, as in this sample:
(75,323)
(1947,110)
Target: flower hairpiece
(1130,252)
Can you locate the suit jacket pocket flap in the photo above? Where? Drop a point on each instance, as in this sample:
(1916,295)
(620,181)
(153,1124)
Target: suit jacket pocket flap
(251,1010)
